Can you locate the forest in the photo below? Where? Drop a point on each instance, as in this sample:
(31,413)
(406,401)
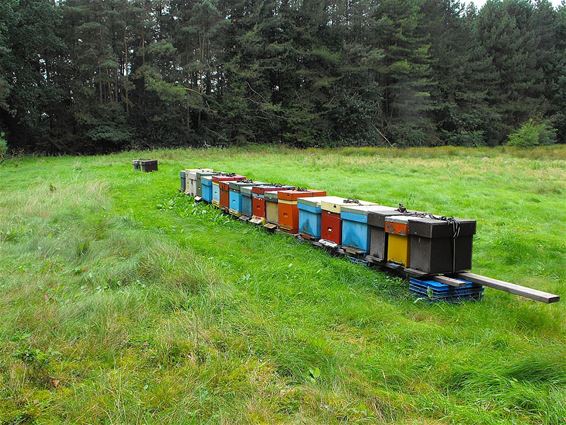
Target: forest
(93,76)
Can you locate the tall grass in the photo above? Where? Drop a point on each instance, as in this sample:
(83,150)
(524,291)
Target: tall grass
(123,302)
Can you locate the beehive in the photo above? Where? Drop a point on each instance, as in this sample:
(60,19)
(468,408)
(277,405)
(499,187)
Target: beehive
(310,215)
(355,228)
(378,237)
(216,179)
(248,196)
(397,229)
(288,210)
(436,291)
(183,180)
(206,183)
(215,193)
(200,174)
(136,164)
(236,198)
(224,195)
(441,246)
(258,200)
(271,208)
(148,165)
(191,180)
(331,224)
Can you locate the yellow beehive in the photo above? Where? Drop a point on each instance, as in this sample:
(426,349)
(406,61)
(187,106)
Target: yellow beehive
(397,229)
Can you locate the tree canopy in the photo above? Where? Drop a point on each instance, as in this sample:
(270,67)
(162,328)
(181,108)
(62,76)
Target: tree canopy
(94,76)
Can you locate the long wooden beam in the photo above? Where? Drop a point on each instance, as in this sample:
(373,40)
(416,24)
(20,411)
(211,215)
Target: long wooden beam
(523,291)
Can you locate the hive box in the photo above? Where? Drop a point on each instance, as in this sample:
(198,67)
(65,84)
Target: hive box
(440,246)
(271,208)
(216,179)
(288,210)
(331,224)
(148,165)
(247,198)
(258,200)
(235,195)
(200,174)
(355,228)
(206,183)
(310,215)
(436,291)
(183,180)
(191,182)
(136,164)
(378,237)
(397,229)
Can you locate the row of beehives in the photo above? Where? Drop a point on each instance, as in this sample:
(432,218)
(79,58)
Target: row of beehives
(421,242)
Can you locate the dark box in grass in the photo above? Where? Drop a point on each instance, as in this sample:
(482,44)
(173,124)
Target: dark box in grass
(148,165)
(441,246)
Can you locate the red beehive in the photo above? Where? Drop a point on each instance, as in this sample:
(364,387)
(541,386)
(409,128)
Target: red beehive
(258,198)
(224,186)
(331,222)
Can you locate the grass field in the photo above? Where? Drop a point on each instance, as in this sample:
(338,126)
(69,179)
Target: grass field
(122,302)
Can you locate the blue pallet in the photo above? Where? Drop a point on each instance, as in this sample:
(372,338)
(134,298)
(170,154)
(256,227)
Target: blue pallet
(310,220)
(436,291)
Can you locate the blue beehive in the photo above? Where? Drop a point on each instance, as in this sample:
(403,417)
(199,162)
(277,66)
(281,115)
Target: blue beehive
(436,291)
(207,189)
(215,193)
(247,198)
(355,228)
(310,215)
(236,198)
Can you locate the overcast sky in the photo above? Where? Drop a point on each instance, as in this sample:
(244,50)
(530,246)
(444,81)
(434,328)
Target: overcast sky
(480,3)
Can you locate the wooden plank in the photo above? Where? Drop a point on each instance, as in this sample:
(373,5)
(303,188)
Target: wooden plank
(449,281)
(416,273)
(523,291)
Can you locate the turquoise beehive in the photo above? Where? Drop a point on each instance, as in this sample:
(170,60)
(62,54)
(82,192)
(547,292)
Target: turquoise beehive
(355,228)
(310,215)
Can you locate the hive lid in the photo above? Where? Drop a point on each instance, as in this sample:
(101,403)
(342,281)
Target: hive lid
(192,172)
(335,205)
(398,219)
(271,196)
(249,189)
(270,188)
(293,195)
(377,218)
(431,227)
(227,177)
(207,178)
(237,185)
(206,173)
(366,209)
(316,201)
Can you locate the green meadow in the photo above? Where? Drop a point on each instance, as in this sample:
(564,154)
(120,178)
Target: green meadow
(123,302)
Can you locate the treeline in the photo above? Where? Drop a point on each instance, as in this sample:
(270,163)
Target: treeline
(101,75)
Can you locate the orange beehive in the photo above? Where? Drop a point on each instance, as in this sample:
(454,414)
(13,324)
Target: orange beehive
(288,209)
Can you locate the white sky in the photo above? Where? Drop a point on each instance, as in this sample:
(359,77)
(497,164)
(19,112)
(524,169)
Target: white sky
(480,3)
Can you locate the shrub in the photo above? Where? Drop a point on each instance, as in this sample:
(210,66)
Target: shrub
(3,146)
(532,133)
